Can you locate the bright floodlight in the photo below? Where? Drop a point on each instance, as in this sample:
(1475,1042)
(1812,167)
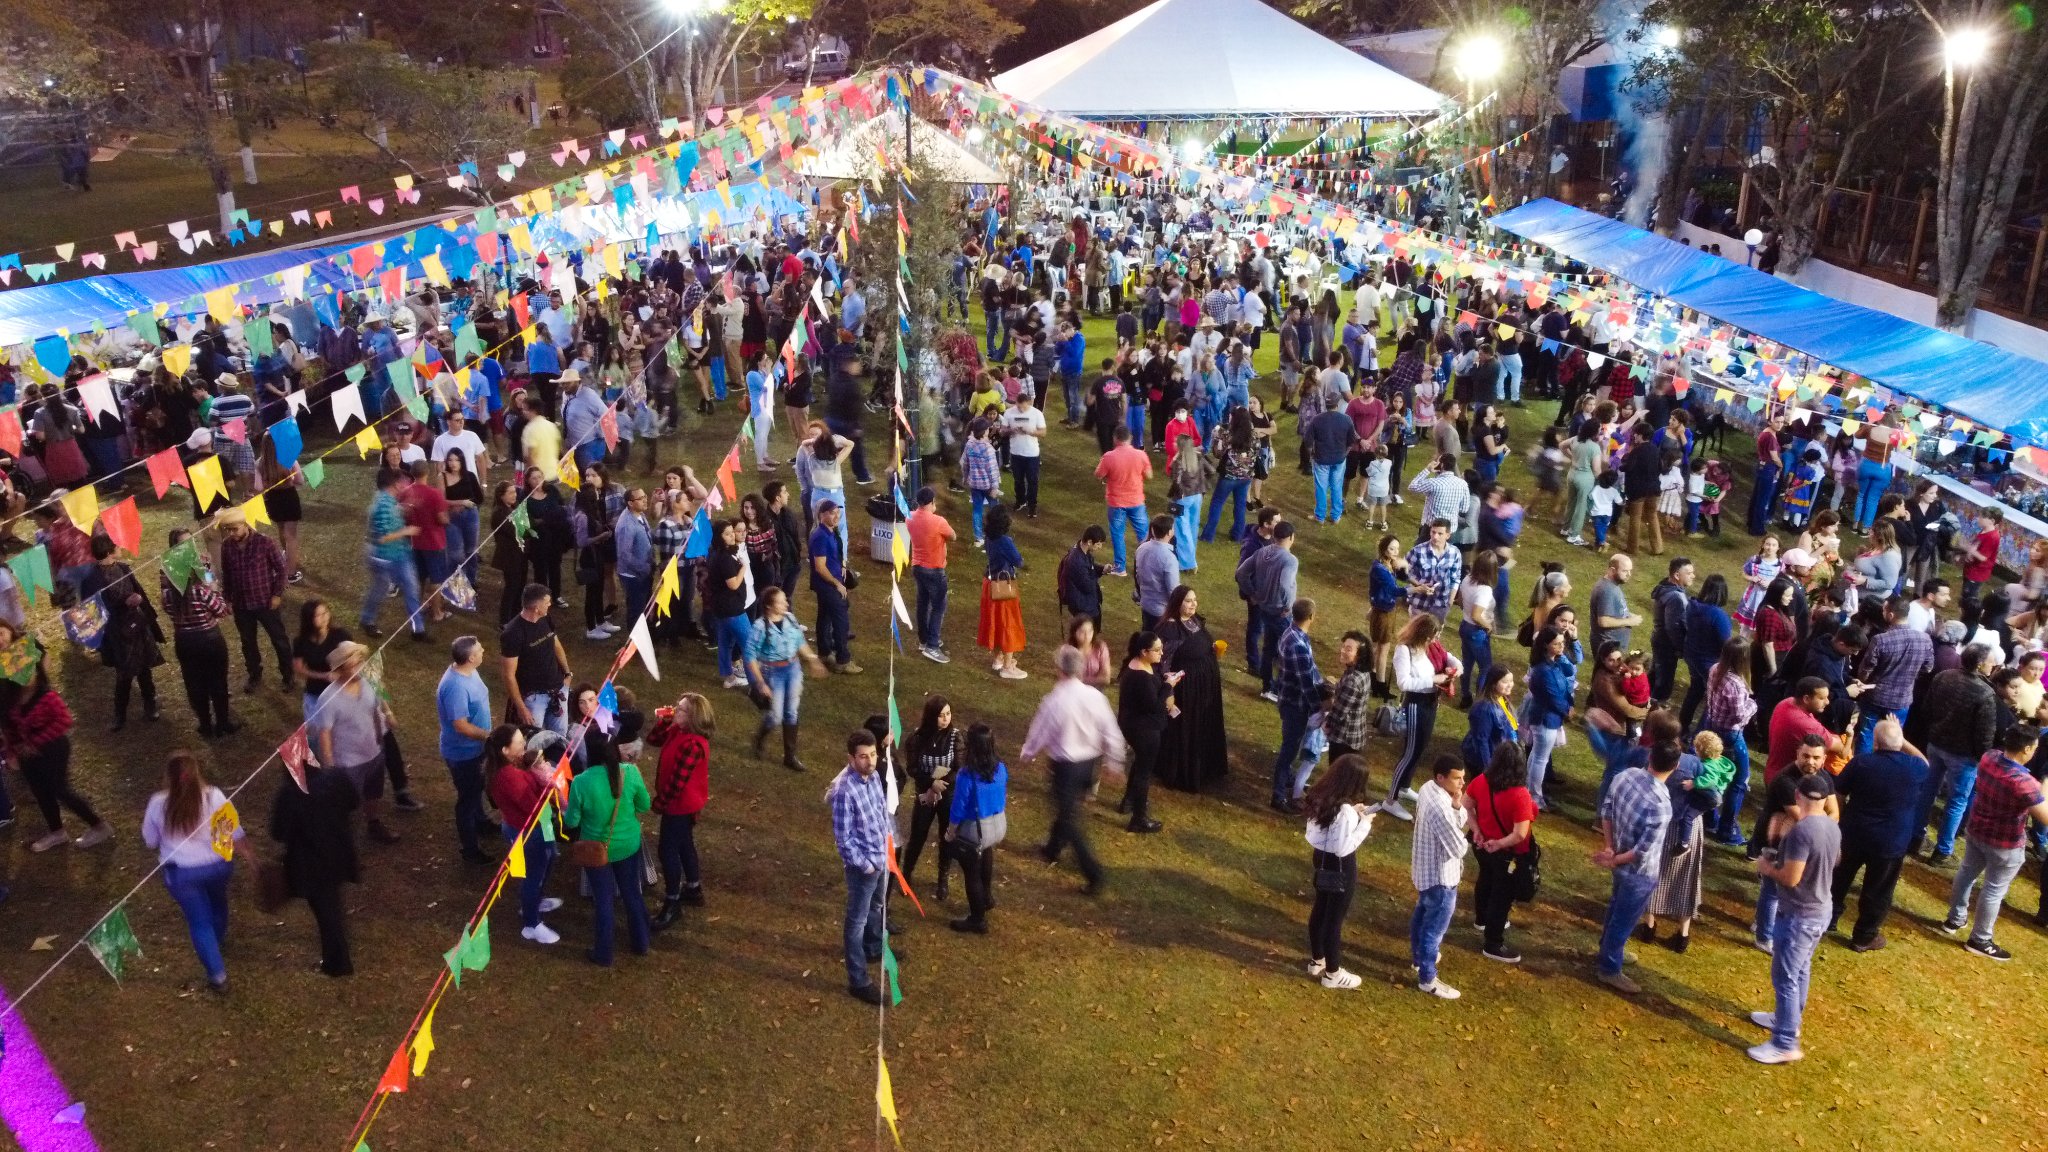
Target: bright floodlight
(1668,37)
(1194,149)
(1478,57)
(974,135)
(1966,46)
(692,7)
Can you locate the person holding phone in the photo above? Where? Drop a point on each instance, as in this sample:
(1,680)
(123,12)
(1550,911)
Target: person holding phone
(1144,705)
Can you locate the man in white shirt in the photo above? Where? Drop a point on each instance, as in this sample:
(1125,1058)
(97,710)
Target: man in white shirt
(1076,731)
(1924,613)
(1251,316)
(1436,865)
(459,438)
(1025,423)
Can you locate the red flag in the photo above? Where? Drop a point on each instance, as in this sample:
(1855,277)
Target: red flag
(726,469)
(487,247)
(165,471)
(609,425)
(896,870)
(396,1075)
(124,526)
(295,752)
(10,432)
(393,282)
(237,430)
(522,309)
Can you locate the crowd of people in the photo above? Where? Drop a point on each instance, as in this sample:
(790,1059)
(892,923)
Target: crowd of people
(1877,713)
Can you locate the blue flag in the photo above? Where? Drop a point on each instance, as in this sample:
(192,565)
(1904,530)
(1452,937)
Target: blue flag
(699,544)
(286,441)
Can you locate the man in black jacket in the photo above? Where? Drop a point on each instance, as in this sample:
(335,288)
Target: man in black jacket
(1965,711)
(789,534)
(1668,602)
(1080,577)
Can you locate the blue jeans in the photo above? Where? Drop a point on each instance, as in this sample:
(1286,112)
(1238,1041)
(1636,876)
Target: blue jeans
(1766,915)
(639,590)
(1867,720)
(1727,826)
(1118,517)
(1543,743)
(1426,928)
(1997,866)
(202,895)
(1134,419)
(1330,491)
(1692,515)
(468,778)
(1475,647)
(463,529)
(1600,524)
(1232,492)
(619,878)
(1274,623)
(1761,498)
(1293,726)
(1187,518)
(540,860)
(1511,377)
(550,711)
(835,626)
(384,574)
(732,633)
(785,687)
(1488,468)
(1630,897)
(1793,941)
(1254,639)
(1873,480)
(993,325)
(862,930)
(931,604)
(1961,774)
(1070,388)
(981,499)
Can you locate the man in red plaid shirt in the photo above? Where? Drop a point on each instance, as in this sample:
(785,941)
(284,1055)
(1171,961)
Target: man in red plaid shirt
(253,576)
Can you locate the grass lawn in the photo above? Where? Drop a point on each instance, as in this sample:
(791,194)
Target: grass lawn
(1170,1012)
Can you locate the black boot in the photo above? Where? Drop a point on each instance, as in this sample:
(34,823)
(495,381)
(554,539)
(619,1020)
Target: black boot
(671,911)
(761,738)
(789,759)
(944,871)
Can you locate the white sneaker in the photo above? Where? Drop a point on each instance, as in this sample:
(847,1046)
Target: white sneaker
(735,681)
(1344,981)
(1013,674)
(597,634)
(55,839)
(1409,795)
(1764,1019)
(1392,807)
(550,904)
(1315,969)
(1769,1053)
(97,834)
(1439,989)
(541,934)
(608,628)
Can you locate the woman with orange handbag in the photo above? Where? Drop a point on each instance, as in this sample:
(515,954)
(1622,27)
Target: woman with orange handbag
(1001,630)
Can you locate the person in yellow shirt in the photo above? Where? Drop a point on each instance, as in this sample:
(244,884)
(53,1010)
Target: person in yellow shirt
(540,441)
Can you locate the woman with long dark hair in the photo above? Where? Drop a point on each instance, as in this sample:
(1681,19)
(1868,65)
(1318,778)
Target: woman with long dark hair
(194,830)
(598,506)
(979,822)
(508,552)
(1339,820)
(1730,706)
(604,807)
(931,754)
(553,534)
(465,502)
(1422,672)
(1503,824)
(132,641)
(1707,628)
(1144,704)
(519,783)
(1195,750)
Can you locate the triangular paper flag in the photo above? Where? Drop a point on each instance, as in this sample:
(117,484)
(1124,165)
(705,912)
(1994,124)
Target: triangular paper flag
(476,947)
(181,562)
(206,482)
(515,859)
(453,957)
(643,643)
(667,589)
(255,509)
(395,1078)
(124,526)
(347,402)
(295,753)
(82,507)
(166,471)
(367,443)
(315,471)
(286,442)
(885,1097)
(423,1044)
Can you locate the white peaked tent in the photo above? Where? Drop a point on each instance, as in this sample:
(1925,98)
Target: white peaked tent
(1212,58)
(852,155)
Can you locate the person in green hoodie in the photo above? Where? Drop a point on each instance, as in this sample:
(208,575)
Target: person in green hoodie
(606,806)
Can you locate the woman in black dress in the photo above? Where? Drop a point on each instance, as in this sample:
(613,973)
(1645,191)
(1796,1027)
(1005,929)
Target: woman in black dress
(1144,701)
(131,642)
(931,754)
(1194,750)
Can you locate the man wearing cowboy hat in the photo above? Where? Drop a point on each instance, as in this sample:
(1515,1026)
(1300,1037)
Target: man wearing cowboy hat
(348,726)
(253,578)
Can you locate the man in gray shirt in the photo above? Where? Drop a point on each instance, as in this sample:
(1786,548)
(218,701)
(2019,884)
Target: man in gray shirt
(1612,619)
(1269,576)
(1158,571)
(1803,869)
(347,732)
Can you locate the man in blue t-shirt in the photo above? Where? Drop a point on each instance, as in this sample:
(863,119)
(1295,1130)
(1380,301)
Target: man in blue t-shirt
(464,706)
(828,582)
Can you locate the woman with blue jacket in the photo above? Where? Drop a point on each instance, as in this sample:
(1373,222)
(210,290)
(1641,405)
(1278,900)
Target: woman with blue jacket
(1492,720)
(1707,628)
(978,824)
(1553,676)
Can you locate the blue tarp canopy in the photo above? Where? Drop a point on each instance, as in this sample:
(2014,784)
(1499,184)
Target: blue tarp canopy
(1987,384)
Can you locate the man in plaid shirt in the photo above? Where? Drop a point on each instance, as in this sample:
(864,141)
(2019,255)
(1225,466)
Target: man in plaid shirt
(253,575)
(1434,569)
(196,613)
(1633,818)
(1444,492)
(2004,797)
(1345,724)
(1436,863)
(1892,665)
(861,824)
(1298,684)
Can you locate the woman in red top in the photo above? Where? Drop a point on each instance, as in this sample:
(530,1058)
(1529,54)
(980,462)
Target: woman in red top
(35,730)
(519,786)
(1503,823)
(681,786)
(1776,631)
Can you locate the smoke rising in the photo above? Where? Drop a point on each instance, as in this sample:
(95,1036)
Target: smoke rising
(1641,113)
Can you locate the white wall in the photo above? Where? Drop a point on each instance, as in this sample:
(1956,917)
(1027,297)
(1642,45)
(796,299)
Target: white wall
(1885,296)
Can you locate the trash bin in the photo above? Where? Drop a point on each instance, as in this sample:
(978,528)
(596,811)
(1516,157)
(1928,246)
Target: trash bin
(883,516)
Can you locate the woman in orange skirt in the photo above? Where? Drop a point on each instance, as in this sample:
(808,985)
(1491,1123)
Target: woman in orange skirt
(1002,620)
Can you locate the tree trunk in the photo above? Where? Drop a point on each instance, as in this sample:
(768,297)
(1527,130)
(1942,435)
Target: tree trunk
(1979,181)
(1678,179)
(249,165)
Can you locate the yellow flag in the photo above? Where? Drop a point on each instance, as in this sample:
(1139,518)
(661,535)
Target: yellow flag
(671,586)
(899,548)
(177,359)
(432,268)
(367,443)
(423,1043)
(572,476)
(206,481)
(885,1099)
(220,304)
(614,262)
(254,509)
(82,505)
(543,201)
(515,860)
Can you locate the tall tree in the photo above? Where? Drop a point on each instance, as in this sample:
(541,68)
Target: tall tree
(948,31)
(441,115)
(653,44)
(1540,37)
(1991,116)
(54,72)
(1819,78)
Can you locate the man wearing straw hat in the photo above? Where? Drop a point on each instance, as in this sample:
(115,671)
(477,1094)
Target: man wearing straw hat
(348,726)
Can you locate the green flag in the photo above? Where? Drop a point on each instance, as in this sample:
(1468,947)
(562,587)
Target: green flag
(315,472)
(257,333)
(895,974)
(18,660)
(453,957)
(476,947)
(417,405)
(32,571)
(902,358)
(181,562)
(522,524)
(467,342)
(487,219)
(143,324)
(355,373)
(111,942)
(402,379)
(895,718)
